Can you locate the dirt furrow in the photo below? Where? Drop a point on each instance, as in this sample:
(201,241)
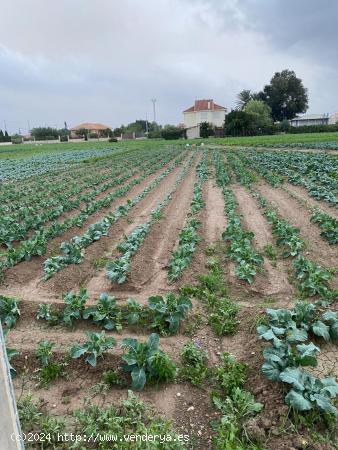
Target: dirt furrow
(317,249)
(25,280)
(301,193)
(148,275)
(215,216)
(274,280)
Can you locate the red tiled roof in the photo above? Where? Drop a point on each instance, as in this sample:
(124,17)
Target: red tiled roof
(205,105)
(90,126)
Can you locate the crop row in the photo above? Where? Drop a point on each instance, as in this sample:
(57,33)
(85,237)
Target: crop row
(316,172)
(15,226)
(313,279)
(37,244)
(28,192)
(307,145)
(164,314)
(240,248)
(21,168)
(188,237)
(289,331)
(73,251)
(117,270)
(328,224)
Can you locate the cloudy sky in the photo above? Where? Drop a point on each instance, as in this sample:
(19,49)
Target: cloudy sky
(103,60)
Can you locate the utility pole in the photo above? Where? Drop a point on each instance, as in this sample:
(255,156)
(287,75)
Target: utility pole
(5,125)
(153,100)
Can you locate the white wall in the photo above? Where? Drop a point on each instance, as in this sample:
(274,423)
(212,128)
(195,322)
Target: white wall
(333,119)
(216,118)
(193,133)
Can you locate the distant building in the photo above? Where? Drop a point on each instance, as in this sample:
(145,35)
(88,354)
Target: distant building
(203,111)
(314,119)
(333,119)
(97,128)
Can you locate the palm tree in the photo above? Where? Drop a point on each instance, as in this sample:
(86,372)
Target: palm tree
(243,98)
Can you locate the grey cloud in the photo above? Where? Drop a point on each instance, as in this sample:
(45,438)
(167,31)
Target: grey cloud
(104,60)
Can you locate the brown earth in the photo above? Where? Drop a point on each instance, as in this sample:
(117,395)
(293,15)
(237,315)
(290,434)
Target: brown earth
(317,248)
(148,274)
(274,280)
(189,407)
(303,196)
(25,280)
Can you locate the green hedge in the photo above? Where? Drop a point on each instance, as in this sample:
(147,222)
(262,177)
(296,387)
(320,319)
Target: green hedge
(313,129)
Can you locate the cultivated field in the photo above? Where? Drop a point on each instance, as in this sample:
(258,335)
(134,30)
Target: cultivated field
(188,292)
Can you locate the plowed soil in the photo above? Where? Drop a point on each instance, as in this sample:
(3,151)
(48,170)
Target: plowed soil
(189,407)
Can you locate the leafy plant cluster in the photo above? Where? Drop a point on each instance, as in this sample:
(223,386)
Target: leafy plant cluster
(243,175)
(221,310)
(96,346)
(9,311)
(262,170)
(289,331)
(9,314)
(194,360)
(235,404)
(287,235)
(328,224)
(130,415)
(166,313)
(240,248)
(313,279)
(162,313)
(50,369)
(146,362)
(316,172)
(117,270)
(73,309)
(182,256)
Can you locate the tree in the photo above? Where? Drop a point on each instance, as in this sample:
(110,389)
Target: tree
(285,95)
(206,130)
(243,98)
(43,133)
(239,123)
(261,115)
(7,137)
(284,126)
(106,133)
(118,131)
(171,132)
(2,137)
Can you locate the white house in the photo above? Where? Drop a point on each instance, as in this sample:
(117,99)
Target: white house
(333,119)
(203,111)
(314,119)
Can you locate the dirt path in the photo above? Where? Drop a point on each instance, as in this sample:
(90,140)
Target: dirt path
(275,279)
(215,216)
